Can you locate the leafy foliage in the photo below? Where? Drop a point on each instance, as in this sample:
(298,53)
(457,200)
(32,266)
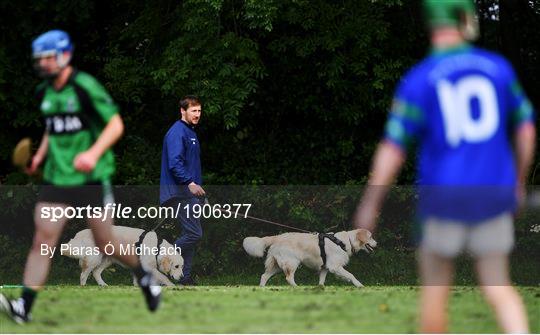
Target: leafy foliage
(294,92)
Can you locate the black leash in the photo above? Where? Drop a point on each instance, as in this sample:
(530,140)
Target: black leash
(278,224)
(159,224)
(265,221)
(205,197)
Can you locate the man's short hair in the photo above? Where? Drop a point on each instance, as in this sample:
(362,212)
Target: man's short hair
(189,101)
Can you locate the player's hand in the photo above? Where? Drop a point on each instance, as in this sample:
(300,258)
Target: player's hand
(85,161)
(34,165)
(365,218)
(196,190)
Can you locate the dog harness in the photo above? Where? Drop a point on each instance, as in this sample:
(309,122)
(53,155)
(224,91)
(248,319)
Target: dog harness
(141,239)
(331,237)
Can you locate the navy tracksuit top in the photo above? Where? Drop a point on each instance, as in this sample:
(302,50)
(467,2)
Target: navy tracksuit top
(180,162)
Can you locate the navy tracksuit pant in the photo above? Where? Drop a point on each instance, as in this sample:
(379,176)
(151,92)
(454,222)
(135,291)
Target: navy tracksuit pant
(190,230)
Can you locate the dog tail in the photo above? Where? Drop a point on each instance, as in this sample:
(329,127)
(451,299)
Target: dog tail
(256,246)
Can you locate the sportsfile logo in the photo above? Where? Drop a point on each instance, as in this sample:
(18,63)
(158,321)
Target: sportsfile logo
(119,211)
(112,211)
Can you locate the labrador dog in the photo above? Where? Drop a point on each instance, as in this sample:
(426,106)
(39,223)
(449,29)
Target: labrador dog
(287,251)
(82,247)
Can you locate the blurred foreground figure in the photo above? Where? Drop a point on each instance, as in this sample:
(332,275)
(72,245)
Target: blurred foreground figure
(82,124)
(463,106)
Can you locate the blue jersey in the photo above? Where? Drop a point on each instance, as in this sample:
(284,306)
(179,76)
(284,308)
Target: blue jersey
(180,162)
(461,107)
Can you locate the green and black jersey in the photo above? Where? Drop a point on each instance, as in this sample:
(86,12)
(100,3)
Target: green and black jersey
(74,118)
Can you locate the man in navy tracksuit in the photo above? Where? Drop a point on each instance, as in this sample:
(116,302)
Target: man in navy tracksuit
(181,178)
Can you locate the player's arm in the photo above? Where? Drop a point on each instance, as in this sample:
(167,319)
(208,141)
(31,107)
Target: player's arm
(524,146)
(109,136)
(40,154)
(522,119)
(108,111)
(405,124)
(387,163)
(112,132)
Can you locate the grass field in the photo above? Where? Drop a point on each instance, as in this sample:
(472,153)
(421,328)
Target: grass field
(248,309)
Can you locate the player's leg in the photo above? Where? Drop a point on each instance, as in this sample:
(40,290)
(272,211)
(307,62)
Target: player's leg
(442,240)
(491,243)
(436,275)
(109,244)
(502,296)
(38,262)
(46,235)
(101,195)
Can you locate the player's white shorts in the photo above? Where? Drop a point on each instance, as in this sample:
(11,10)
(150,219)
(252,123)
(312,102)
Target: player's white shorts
(448,238)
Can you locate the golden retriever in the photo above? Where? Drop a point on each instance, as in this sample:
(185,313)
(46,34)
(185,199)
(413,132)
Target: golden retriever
(287,251)
(82,247)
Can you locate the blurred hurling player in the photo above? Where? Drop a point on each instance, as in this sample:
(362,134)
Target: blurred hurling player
(82,124)
(463,106)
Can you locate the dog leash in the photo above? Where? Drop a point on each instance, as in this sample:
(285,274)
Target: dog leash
(159,224)
(278,224)
(205,197)
(266,221)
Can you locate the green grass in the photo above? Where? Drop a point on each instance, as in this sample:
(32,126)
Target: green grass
(249,309)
